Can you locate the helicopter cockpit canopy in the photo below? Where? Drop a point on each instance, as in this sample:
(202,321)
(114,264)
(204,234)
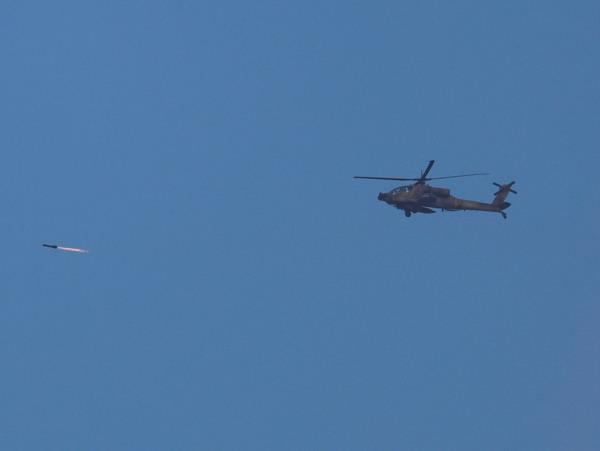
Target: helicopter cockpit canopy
(402,189)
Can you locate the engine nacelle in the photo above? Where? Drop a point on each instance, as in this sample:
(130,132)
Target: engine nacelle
(442,192)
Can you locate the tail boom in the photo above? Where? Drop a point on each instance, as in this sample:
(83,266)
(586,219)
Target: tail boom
(498,205)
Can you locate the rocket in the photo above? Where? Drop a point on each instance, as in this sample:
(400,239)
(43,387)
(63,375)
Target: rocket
(67,249)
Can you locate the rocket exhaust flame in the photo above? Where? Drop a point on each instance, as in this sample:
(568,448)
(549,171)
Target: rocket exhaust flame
(72,249)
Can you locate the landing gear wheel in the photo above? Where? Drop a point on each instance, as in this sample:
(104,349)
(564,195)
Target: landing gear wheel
(407,213)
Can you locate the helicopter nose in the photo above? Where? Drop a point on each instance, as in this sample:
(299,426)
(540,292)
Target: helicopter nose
(381,196)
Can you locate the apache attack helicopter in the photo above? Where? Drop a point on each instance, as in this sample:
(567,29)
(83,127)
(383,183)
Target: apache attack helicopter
(421,197)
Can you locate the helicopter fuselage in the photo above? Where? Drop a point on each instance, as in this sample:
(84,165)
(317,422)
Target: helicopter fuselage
(419,197)
(422,198)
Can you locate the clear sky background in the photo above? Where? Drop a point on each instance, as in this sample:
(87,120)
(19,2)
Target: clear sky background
(242,290)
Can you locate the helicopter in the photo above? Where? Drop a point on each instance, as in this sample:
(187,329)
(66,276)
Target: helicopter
(421,197)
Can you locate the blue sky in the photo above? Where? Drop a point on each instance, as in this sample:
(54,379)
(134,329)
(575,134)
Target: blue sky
(242,290)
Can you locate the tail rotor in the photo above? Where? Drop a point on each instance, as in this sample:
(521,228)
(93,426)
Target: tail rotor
(500,197)
(507,188)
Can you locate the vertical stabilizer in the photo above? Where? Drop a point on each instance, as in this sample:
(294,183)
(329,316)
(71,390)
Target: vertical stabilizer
(500,199)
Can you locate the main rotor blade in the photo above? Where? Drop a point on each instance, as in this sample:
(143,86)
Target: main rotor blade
(456,176)
(383,178)
(429,166)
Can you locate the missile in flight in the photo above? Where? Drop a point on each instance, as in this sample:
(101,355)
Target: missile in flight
(67,249)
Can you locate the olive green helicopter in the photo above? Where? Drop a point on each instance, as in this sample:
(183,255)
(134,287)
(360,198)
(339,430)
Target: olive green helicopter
(421,197)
